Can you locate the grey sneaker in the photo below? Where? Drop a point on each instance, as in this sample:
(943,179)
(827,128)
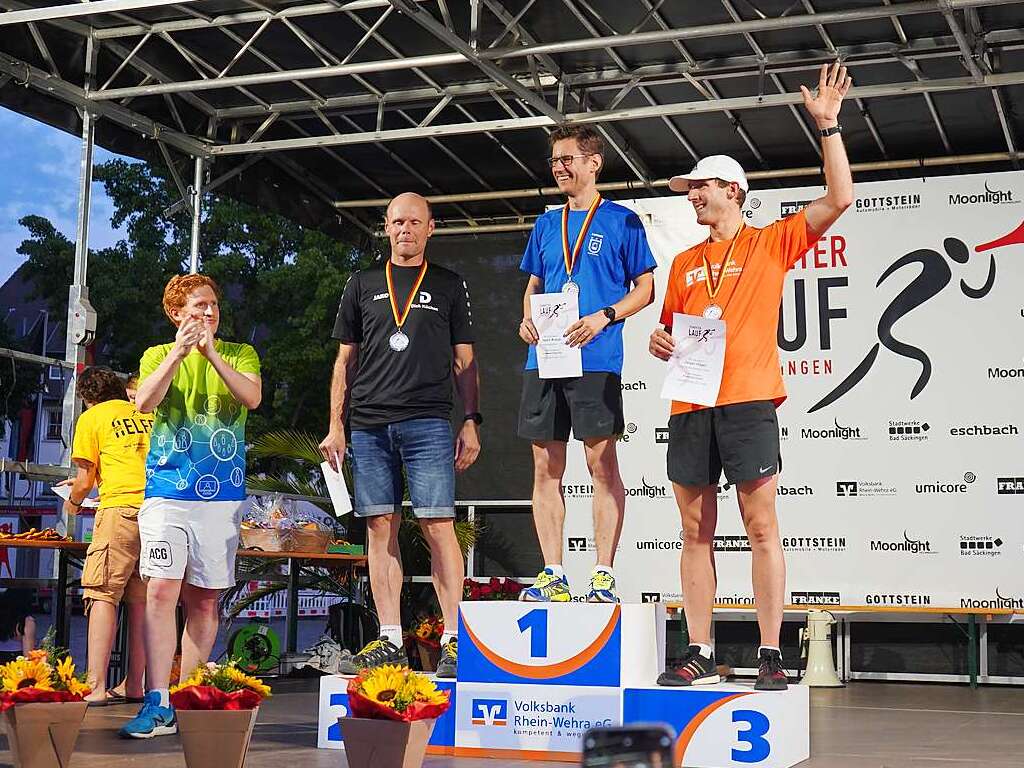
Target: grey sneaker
(377,653)
(449,661)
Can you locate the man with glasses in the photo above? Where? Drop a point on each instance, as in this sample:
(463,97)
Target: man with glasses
(597,250)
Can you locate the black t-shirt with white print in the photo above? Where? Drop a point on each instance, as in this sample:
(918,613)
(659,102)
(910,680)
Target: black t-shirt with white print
(416,383)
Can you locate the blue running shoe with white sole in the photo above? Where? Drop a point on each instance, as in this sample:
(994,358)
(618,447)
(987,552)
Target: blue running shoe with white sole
(152,720)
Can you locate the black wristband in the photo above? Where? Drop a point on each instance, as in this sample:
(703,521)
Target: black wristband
(826,132)
(476,417)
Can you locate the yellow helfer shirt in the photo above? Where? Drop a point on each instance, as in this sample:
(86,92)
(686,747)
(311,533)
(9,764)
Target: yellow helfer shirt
(114,436)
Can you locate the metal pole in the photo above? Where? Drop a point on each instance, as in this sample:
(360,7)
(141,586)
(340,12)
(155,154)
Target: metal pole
(197,209)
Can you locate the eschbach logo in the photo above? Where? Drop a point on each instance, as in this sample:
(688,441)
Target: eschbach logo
(887,203)
(839,432)
(939,487)
(634,386)
(1014,603)
(1009,485)
(794,490)
(989,196)
(907,599)
(815,598)
(908,545)
(492,712)
(984,430)
(908,430)
(848,488)
(981,546)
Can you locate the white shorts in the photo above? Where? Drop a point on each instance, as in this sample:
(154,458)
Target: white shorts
(191,540)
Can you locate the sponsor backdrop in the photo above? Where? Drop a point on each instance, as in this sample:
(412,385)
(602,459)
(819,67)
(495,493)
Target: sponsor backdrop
(901,343)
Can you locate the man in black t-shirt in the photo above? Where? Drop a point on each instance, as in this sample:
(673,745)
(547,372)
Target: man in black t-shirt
(405,329)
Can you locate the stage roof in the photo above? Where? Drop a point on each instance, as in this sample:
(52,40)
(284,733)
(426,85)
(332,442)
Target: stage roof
(321,110)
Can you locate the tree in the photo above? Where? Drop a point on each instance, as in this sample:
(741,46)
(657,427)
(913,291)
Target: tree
(281,285)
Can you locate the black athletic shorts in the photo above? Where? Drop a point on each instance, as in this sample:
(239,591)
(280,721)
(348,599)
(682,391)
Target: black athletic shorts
(742,438)
(590,405)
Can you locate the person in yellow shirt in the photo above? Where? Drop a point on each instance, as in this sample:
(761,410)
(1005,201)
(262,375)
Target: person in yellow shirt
(110,447)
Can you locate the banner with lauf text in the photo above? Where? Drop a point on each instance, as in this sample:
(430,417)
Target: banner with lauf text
(901,342)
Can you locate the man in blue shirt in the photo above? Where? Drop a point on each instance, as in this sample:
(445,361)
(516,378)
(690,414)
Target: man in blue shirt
(598,250)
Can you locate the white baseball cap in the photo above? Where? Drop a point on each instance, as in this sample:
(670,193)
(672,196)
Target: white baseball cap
(712,167)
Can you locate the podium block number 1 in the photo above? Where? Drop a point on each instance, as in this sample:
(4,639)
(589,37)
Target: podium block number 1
(536,623)
(759,748)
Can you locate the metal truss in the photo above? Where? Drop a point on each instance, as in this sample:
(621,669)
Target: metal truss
(212,87)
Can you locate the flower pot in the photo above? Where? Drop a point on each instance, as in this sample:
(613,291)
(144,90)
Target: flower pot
(385,743)
(215,738)
(429,655)
(43,735)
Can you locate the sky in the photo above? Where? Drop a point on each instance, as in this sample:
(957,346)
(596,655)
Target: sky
(40,176)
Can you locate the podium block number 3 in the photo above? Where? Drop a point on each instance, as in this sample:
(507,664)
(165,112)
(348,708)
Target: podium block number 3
(759,747)
(536,623)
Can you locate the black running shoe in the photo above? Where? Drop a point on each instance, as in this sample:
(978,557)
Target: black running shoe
(377,653)
(695,670)
(448,663)
(770,675)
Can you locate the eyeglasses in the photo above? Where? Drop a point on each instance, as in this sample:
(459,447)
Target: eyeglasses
(565,160)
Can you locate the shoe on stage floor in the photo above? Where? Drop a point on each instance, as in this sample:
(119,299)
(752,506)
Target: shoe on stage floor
(448,663)
(152,720)
(770,675)
(696,669)
(376,653)
(602,588)
(547,589)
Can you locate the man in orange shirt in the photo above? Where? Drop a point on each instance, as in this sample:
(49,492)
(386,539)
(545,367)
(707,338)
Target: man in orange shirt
(737,275)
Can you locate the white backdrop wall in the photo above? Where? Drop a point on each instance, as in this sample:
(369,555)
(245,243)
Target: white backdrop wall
(908,487)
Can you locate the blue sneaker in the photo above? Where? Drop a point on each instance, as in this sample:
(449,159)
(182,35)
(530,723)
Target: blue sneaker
(152,720)
(548,588)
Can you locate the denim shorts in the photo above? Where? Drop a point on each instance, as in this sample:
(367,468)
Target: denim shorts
(427,450)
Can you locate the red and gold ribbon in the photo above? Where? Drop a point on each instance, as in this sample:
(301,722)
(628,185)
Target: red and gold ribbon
(712,285)
(400,317)
(570,258)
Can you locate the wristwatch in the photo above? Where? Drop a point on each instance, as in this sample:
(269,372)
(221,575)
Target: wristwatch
(475,417)
(609,312)
(826,132)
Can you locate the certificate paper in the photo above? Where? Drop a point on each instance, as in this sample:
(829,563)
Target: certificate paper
(552,314)
(337,489)
(694,372)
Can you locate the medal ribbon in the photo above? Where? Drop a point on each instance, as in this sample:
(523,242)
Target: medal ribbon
(401,317)
(570,259)
(713,286)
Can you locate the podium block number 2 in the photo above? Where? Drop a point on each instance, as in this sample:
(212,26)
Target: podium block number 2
(536,623)
(758,748)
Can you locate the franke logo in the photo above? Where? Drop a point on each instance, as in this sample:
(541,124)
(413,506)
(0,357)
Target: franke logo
(908,545)
(789,207)
(661,434)
(1009,485)
(989,196)
(789,544)
(838,432)
(888,203)
(816,598)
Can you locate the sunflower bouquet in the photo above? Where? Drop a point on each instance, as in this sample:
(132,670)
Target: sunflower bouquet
(35,679)
(398,693)
(219,686)
(429,631)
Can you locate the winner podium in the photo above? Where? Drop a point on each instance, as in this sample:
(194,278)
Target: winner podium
(533,677)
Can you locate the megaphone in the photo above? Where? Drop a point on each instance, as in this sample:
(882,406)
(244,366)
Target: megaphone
(816,647)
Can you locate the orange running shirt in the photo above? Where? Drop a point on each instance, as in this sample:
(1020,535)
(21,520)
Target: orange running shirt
(750,297)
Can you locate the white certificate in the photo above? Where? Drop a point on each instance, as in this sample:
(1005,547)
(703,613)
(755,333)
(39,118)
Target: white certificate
(694,371)
(552,314)
(337,488)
